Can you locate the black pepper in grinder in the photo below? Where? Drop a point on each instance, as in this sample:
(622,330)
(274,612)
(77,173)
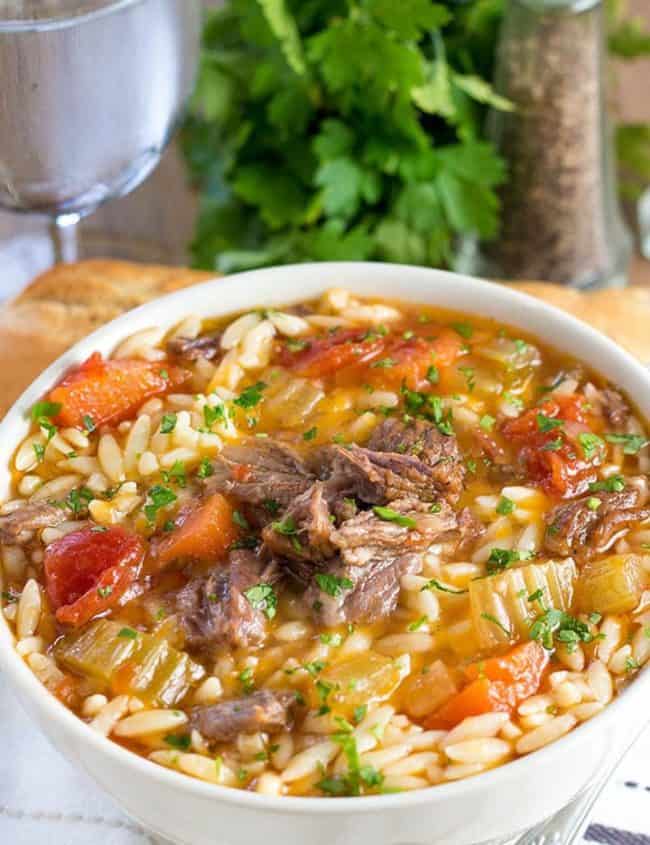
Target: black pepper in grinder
(561,218)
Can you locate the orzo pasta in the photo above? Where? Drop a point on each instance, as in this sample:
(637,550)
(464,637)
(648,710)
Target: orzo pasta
(344,548)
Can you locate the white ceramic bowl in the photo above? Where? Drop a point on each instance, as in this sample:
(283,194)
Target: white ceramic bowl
(487,808)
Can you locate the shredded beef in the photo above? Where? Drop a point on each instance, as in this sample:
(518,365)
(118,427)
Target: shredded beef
(470,529)
(304,530)
(267,710)
(18,525)
(579,528)
(259,472)
(191,349)
(615,408)
(359,593)
(213,610)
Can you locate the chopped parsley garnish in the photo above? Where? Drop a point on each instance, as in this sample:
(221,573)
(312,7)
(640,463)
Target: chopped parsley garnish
(263,597)
(501,559)
(239,519)
(78,500)
(463,329)
(390,515)
(176,474)
(505,506)
(593,503)
(470,380)
(39,451)
(245,678)
(433,374)
(44,410)
(429,407)
(433,584)
(294,344)
(440,417)
(631,665)
(271,506)
(205,469)
(357,775)
(487,422)
(250,396)
(613,484)
(490,618)
(359,713)
(383,363)
(180,741)
(545,423)
(213,414)
(315,667)
(128,634)
(89,423)
(287,526)
(559,626)
(158,497)
(168,423)
(419,623)
(632,443)
(513,401)
(311,434)
(553,445)
(332,584)
(104,592)
(591,444)
(331,639)
(436,507)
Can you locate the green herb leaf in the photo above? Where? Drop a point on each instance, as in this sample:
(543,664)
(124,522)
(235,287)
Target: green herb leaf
(263,597)
(251,396)
(45,410)
(168,423)
(158,497)
(505,506)
(613,484)
(591,444)
(632,443)
(433,584)
(390,515)
(545,423)
(333,585)
(128,634)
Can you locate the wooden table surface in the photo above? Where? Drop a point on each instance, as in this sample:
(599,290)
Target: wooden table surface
(162,210)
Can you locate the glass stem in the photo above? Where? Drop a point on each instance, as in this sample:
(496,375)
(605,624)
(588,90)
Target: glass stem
(65,238)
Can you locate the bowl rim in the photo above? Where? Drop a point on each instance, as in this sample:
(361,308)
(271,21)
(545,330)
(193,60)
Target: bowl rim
(524,307)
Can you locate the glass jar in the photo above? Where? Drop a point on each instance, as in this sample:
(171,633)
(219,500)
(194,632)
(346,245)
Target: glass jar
(561,220)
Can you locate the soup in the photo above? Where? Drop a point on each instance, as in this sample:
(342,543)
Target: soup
(345,548)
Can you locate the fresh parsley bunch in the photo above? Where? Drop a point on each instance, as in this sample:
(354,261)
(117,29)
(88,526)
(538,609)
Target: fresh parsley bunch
(343,129)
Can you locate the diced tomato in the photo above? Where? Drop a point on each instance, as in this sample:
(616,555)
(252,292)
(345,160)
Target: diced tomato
(204,533)
(324,356)
(566,408)
(410,360)
(553,459)
(88,571)
(495,685)
(109,391)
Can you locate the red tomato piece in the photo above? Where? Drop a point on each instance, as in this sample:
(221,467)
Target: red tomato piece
(327,355)
(88,571)
(566,408)
(109,391)
(413,358)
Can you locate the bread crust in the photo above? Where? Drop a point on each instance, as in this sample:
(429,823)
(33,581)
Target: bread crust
(69,301)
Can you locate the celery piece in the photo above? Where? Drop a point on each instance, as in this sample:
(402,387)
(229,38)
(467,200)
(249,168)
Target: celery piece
(503,606)
(359,680)
(145,665)
(612,585)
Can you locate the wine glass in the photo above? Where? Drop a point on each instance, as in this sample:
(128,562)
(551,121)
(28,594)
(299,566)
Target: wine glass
(91,93)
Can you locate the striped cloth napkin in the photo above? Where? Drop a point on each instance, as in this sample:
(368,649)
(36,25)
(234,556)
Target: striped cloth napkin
(44,799)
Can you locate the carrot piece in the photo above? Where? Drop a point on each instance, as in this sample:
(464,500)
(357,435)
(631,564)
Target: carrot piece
(478,697)
(204,533)
(109,391)
(523,665)
(496,685)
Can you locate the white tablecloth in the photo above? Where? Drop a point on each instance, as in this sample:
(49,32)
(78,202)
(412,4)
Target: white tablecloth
(43,799)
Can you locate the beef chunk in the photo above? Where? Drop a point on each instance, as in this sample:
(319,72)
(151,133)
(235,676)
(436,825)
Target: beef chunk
(362,584)
(258,472)
(213,610)
(614,407)
(191,349)
(581,529)
(267,710)
(303,532)
(367,536)
(470,529)
(359,593)
(17,526)
(402,459)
